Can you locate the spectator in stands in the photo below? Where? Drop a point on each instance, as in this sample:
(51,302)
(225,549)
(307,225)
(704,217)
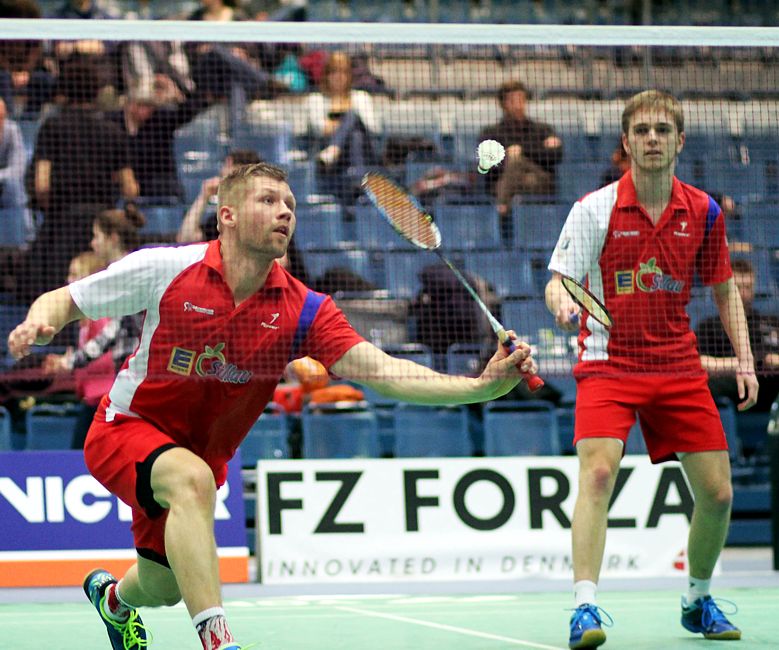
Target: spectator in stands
(25,84)
(717,355)
(82,10)
(93,368)
(620,165)
(533,150)
(149,121)
(218,10)
(12,162)
(342,120)
(80,166)
(114,235)
(144,61)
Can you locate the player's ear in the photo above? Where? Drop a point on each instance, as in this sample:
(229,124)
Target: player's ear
(226,216)
(680,143)
(626,144)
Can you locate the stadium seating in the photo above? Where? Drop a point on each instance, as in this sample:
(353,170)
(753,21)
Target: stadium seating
(162,219)
(332,432)
(537,226)
(271,140)
(356,261)
(520,429)
(416,352)
(5,430)
(319,226)
(402,272)
(428,431)
(464,359)
(507,272)
(467,226)
(13,227)
(527,318)
(10,316)
(267,439)
(50,426)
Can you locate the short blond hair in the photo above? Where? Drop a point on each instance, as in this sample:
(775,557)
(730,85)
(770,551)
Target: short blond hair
(240,174)
(656,99)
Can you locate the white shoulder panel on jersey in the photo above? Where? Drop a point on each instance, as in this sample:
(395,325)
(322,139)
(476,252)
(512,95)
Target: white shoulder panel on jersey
(134,283)
(581,240)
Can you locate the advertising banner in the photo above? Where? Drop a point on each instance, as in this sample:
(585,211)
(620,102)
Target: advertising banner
(338,521)
(59,523)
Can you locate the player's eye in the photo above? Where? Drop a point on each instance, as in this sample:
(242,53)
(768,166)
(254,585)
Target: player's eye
(641,130)
(663,129)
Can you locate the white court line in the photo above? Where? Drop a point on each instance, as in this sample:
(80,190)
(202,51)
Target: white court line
(450,628)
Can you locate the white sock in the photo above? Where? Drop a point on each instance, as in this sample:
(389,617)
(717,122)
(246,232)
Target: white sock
(115,607)
(212,629)
(697,588)
(585,591)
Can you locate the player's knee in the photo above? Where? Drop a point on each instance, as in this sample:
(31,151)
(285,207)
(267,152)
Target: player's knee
(719,496)
(196,486)
(599,478)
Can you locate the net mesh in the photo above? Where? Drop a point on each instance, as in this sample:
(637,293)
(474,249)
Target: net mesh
(144,118)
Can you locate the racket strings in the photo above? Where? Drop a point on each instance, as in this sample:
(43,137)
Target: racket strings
(406,217)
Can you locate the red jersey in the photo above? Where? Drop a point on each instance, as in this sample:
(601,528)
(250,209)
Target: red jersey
(643,274)
(205,369)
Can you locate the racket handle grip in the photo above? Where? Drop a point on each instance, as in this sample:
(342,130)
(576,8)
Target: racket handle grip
(534,382)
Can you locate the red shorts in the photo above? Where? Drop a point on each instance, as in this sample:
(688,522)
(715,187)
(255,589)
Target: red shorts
(676,414)
(120,455)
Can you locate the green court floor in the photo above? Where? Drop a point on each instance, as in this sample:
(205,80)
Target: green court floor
(643,620)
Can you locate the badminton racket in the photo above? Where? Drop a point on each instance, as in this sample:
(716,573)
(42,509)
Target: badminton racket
(587,301)
(404,213)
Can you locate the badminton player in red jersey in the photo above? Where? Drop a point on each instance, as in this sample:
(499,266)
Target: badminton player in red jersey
(223,320)
(639,242)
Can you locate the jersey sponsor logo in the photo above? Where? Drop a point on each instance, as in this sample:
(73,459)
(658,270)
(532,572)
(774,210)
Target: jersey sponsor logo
(650,278)
(626,233)
(210,363)
(682,232)
(270,325)
(623,282)
(188,306)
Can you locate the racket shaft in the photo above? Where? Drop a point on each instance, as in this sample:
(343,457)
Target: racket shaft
(534,382)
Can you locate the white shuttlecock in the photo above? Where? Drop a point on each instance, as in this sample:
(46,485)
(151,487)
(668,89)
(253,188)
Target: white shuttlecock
(491,153)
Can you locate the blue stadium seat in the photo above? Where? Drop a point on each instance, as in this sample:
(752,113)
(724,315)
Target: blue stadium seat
(51,426)
(357,261)
(577,178)
(527,318)
(537,226)
(10,316)
(701,307)
(763,223)
(464,359)
(29,130)
(508,272)
(416,352)
(267,439)
(402,272)
(467,226)
(520,429)
(162,219)
(727,413)
(430,431)
(302,180)
(5,430)
(319,226)
(13,227)
(373,232)
(271,141)
(330,432)
(199,151)
(635,443)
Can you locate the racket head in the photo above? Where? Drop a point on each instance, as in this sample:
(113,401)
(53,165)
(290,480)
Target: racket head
(587,301)
(402,211)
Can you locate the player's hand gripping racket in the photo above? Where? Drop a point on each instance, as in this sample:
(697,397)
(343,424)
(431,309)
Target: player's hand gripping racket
(584,298)
(410,220)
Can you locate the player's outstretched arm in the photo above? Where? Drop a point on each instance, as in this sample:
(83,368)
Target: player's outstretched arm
(734,322)
(48,315)
(410,382)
